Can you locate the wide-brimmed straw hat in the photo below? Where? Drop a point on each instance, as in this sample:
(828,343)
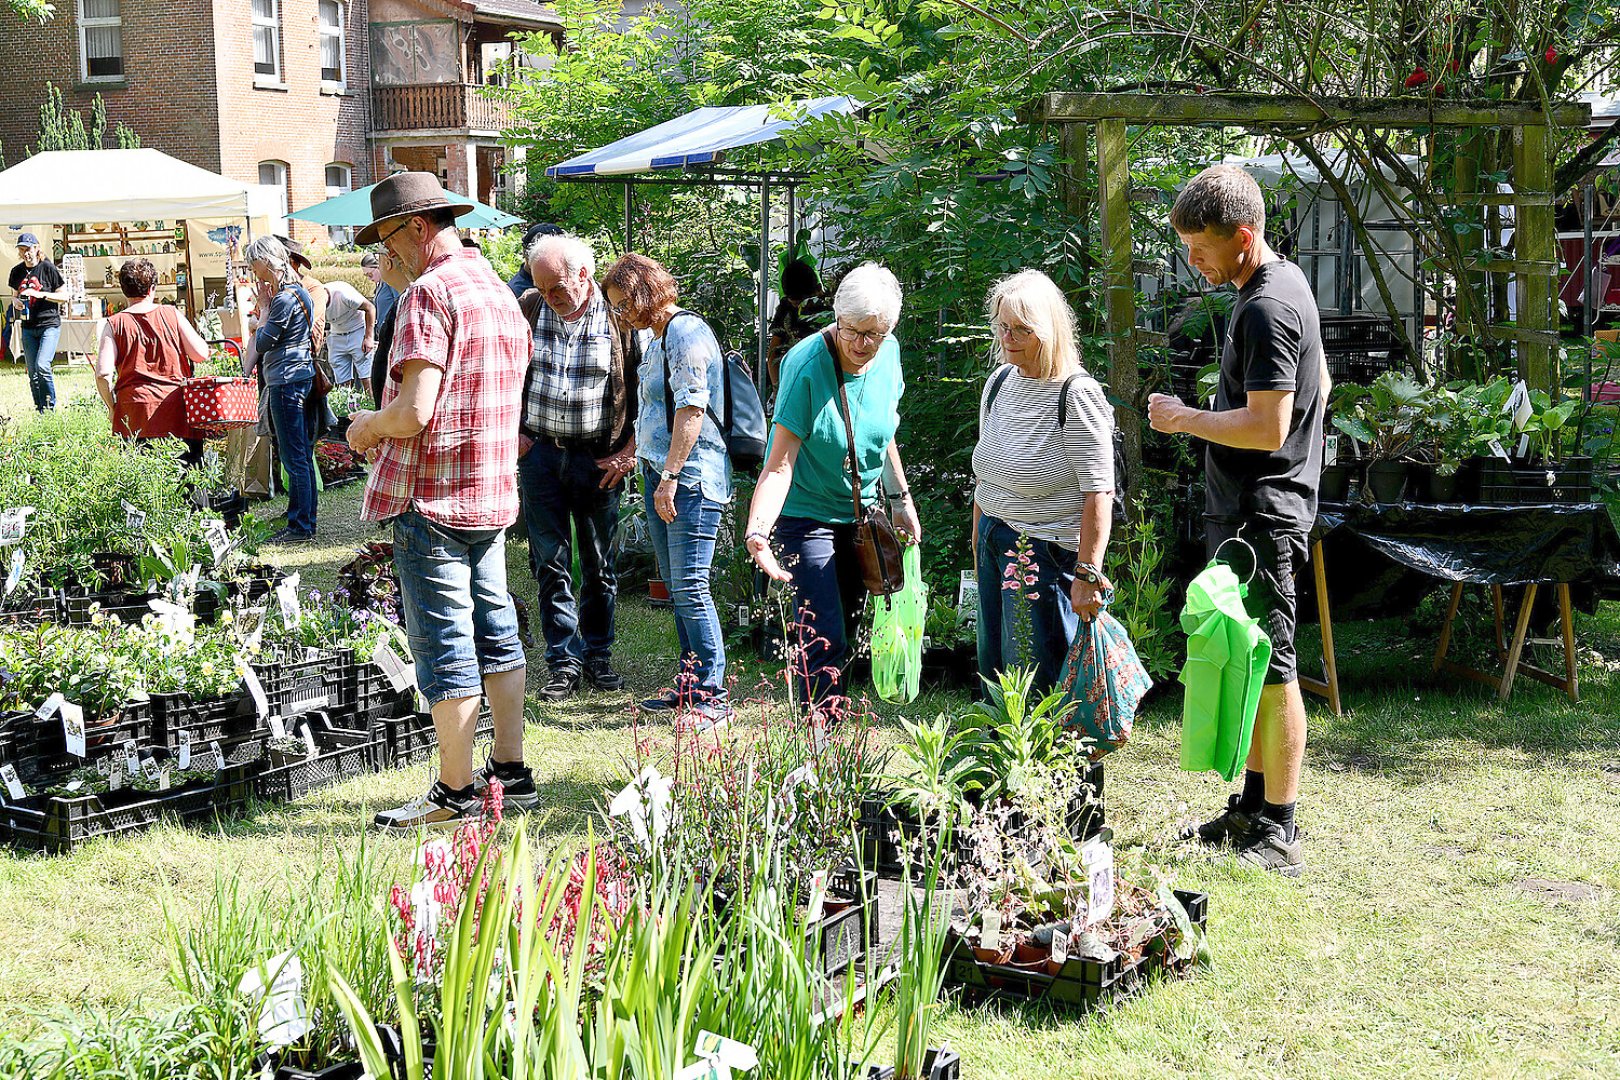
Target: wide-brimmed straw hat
(404,194)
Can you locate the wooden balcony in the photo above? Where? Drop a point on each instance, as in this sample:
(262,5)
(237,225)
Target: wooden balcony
(436,107)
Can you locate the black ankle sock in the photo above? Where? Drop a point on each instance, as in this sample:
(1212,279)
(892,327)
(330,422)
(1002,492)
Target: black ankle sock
(505,769)
(459,793)
(1254,792)
(1282,815)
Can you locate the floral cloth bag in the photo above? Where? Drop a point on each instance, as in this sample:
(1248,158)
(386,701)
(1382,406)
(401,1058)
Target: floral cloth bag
(1104,679)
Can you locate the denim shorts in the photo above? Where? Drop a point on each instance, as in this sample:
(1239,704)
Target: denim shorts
(458,615)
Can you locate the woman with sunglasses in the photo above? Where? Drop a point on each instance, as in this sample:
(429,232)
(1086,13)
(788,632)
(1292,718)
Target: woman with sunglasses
(804,499)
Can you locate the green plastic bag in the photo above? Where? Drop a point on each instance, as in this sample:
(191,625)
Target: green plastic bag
(897,633)
(1227,655)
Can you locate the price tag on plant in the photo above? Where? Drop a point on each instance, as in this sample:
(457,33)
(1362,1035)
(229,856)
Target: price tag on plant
(287,601)
(401,676)
(48,707)
(15,573)
(132,758)
(149,769)
(14,785)
(218,536)
(278,726)
(255,689)
(134,516)
(14,524)
(818,895)
(728,1052)
(279,982)
(115,778)
(990,931)
(1097,857)
(73,728)
(219,755)
(182,752)
(308,735)
(1060,945)
(165,779)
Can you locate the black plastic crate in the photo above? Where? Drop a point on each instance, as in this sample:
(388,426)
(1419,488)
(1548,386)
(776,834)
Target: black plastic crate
(255,584)
(1361,346)
(1562,484)
(1080,984)
(38,748)
(58,825)
(409,738)
(846,935)
(295,684)
(370,695)
(229,721)
(937,1065)
(29,609)
(341,754)
(78,608)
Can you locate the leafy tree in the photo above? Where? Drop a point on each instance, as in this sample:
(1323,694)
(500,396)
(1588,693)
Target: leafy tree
(39,11)
(62,128)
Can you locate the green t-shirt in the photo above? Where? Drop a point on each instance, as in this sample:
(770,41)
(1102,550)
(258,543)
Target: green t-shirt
(807,405)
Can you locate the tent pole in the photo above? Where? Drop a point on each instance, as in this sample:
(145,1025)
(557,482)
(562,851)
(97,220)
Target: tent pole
(792,221)
(764,276)
(629,203)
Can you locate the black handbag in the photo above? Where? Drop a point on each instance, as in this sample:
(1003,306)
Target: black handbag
(877,545)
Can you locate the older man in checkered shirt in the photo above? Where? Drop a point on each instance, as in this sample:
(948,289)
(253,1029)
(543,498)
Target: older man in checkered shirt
(444,447)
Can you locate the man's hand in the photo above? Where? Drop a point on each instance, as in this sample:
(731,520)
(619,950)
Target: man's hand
(369,345)
(1086,598)
(615,467)
(1167,413)
(759,548)
(525,444)
(362,437)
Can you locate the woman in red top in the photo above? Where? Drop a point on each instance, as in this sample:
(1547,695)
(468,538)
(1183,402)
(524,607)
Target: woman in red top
(147,351)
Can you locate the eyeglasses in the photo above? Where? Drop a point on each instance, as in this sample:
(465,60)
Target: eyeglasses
(396,229)
(1016,333)
(862,337)
(620,308)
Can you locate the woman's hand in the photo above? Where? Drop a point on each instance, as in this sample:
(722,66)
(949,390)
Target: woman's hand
(664,500)
(759,549)
(905,519)
(1086,598)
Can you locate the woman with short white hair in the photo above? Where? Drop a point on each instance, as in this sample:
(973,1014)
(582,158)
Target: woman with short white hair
(805,497)
(281,346)
(1043,503)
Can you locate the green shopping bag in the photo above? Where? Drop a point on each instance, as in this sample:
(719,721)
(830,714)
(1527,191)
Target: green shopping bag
(1227,655)
(897,633)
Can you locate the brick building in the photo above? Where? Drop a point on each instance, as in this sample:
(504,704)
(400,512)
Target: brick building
(281,92)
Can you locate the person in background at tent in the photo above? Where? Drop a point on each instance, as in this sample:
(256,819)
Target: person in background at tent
(1044,466)
(280,345)
(792,321)
(351,334)
(313,286)
(686,473)
(37,295)
(444,474)
(805,495)
(1263,463)
(577,444)
(523,281)
(147,351)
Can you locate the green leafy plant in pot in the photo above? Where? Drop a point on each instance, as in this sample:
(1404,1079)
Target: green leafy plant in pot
(1386,418)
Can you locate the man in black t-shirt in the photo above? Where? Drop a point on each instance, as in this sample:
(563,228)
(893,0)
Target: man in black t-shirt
(37,296)
(1263,464)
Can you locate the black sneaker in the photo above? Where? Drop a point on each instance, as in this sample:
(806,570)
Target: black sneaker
(562,685)
(1269,851)
(602,675)
(517,783)
(292,536)
(1232,827)
(665,702)
(440,808)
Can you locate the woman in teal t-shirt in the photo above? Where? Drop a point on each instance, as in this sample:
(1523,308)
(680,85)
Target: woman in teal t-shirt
(805,497)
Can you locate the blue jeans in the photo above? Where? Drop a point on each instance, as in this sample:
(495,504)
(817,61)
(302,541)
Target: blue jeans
(1051,620)
(563,498)
(458,615)
(295,436)
(685,550)
(828,592)
(39,350)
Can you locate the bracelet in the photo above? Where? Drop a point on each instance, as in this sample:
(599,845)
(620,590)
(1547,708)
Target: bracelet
(756,534)
(903,493)
(1088,573)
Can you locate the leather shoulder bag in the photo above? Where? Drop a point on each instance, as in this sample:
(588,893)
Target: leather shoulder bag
(877,545)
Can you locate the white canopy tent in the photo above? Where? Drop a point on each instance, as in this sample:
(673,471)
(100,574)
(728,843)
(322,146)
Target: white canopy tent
(121,185)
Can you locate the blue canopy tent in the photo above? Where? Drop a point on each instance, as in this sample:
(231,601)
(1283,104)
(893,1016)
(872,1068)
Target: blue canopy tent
(690,149)
(353,209)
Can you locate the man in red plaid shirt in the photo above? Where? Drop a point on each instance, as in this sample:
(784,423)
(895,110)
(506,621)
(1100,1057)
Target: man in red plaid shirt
(444,448)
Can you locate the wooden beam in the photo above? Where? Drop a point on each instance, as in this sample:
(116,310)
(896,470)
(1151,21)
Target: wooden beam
(1533,242)
(1114,189)
(1259,110)
(1499,198)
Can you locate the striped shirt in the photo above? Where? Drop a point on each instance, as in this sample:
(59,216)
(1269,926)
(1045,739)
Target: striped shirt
(1031,474)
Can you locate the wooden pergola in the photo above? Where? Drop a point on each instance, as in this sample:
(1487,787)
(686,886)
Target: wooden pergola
(1535,264)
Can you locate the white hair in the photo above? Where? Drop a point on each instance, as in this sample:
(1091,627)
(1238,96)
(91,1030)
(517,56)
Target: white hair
(269,250)
(868,291)
(576,253)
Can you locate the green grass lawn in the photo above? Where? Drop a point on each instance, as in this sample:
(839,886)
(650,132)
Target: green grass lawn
(1460,917)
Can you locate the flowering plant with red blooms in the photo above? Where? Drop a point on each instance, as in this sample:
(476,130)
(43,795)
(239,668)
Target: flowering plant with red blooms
(336,461)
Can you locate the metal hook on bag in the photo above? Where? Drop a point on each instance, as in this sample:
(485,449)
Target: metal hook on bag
(1254,560)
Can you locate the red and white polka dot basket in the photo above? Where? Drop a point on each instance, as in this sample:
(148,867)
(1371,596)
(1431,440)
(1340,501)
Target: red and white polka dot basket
(217,404)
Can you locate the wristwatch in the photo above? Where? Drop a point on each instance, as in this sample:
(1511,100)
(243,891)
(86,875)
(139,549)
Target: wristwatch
(670,477)
(1088,573)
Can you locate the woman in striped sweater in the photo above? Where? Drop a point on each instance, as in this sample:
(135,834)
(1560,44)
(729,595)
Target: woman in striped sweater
(1043,502)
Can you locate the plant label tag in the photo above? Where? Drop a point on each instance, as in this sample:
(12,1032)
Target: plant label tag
(287,601)
(255,689)
(165,780)
(804,774)
(73,728)
(14,785)
(308,735)
(422,702)
(401,676)
(175,620)
(149,769)
(14,574)
(218,537)
(74,786)
(818,894)
(704,1069)
(1330,449)
(1496,448)
(183,751)
(1524,447)
(990,933)
(191,578)
(14,524)
(1098,859)
(132,758)
(104,766)
(134,516)
(48,708)
(250,626)
(279,983)
(278,727)
(967,595)
(210,460)
(729,1053)
(219,755)
(115,779)
(1519,406)
(425,909)
(1060,945)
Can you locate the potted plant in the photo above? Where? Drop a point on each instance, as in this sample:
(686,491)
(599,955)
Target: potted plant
(1386,419)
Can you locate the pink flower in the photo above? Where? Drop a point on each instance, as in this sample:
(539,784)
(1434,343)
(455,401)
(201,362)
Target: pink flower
(1031,579)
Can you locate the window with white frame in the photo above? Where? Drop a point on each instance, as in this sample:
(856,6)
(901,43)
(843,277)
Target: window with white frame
(267,38)
(339,181)
(101,40)
(332,16)
(274,174)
